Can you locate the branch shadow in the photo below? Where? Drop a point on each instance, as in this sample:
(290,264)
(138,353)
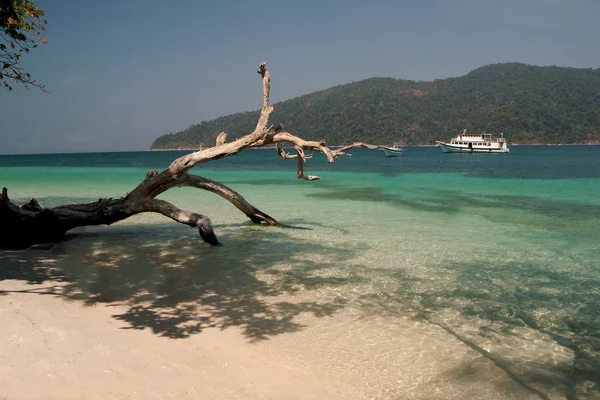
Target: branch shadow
(178,286)
(541,327)
(37,268)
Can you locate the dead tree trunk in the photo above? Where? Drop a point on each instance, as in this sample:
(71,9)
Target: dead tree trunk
(33,224)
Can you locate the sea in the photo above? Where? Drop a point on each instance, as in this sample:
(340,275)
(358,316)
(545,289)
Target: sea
(425,276)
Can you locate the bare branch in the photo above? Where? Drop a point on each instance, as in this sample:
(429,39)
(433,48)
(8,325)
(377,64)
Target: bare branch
(301,144)
(29,225)
(232,196)
(340,151)
(266,108)
(262,136)
(32,223)
(301,157)
(282,153)
(167,209)
(221,138)
(301,161)
(185,163)
(154,185)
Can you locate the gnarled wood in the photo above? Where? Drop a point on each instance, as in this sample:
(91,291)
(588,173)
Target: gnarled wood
(27,227)
(232,196)
(32,223)
(221,138)
(301,157)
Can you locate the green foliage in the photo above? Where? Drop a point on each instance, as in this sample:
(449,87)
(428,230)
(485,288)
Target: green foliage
(529,104)
(21,24)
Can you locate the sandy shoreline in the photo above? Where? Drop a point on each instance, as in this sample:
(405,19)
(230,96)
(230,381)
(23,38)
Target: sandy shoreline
(57,349)
(81,322)
(62,340)
(54,349)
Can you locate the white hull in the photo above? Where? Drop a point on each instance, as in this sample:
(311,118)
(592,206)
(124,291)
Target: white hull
(448,148)
(392,151)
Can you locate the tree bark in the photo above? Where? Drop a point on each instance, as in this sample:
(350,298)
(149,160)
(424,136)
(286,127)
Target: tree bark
(33,224)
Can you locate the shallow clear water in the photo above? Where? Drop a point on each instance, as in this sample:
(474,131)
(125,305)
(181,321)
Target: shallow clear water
(498,252)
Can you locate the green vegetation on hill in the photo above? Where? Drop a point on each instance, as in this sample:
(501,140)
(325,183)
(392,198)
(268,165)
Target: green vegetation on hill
(529,104)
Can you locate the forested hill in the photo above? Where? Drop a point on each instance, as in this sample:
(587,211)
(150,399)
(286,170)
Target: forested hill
(529,104)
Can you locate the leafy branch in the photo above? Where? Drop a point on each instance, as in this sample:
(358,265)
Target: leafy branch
(21,25)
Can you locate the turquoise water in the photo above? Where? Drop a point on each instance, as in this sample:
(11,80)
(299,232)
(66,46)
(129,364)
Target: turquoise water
(498,252)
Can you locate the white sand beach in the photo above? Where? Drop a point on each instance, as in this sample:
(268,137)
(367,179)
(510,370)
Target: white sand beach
(87,336)
(54,349)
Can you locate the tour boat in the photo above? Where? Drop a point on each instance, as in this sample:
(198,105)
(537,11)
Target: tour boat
(475,143)
(393,151)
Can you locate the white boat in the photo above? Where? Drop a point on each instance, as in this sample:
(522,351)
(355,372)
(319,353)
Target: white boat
(475,143)
(393,151)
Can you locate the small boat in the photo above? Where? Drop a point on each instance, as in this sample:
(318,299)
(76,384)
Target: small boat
(393,151)
(475,143)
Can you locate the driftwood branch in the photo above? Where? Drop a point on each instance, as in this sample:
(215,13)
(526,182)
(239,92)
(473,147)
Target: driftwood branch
(221,138)
(39,225)
(332,155)
(185,163)
(32,223)
(301,157)
(253,213)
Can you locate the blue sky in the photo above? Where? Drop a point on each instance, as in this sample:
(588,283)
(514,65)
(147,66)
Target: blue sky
(122,72)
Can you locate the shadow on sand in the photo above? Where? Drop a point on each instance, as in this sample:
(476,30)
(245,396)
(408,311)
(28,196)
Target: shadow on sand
(541,327)
(178,286)
(510,314)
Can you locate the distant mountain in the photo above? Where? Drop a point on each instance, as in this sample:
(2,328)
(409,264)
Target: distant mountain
(529,104)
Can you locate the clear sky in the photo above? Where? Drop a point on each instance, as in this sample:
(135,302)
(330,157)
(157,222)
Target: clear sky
(122,72)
